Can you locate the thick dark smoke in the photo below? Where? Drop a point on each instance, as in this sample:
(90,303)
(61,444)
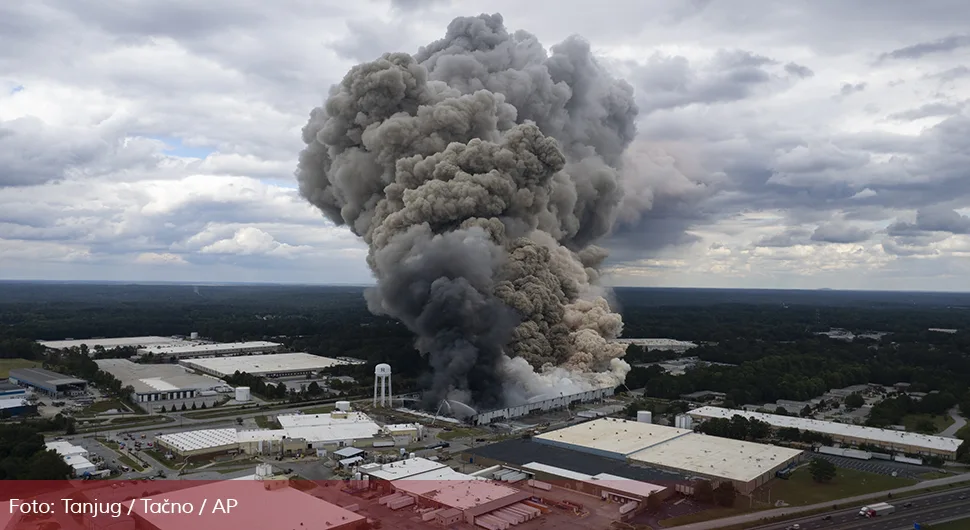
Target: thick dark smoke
(480,171)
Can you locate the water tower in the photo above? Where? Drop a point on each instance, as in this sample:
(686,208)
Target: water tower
(382,384)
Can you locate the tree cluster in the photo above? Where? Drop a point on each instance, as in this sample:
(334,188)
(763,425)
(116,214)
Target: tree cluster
(891,411)
(23,455)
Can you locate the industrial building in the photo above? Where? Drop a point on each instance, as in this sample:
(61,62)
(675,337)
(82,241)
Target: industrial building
(603,485)
(660,344)
(119,342)
(552,403)
(453,496)
(274,365)
(198,443)
(747,465)
(74,455)
(890,440)
(299,433)
(48,382)
(260,503)
(335,428)
(160,382)
(15,406)
(518,452)
(11,390)
(213,350)
(404,433)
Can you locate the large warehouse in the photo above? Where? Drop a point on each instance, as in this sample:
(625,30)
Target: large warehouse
(213,350)
(890,440)
(48,382)
(747,465)
(160,382)
(274,365)
(118,342)
(300,432)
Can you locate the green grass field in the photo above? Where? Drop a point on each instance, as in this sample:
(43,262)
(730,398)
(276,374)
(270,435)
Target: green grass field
(12,364)
(709,515)
(104,406)
(912,421)
(265,422)
(962,524)
(801,490)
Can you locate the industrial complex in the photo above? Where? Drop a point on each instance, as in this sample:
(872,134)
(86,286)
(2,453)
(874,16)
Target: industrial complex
(552,403)
(890,440)
(160,382)
(274,365)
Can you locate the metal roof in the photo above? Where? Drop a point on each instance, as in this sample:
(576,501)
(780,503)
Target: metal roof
(885,436)
(109,343)
(612,435)
(717,457)
(263,364)
(152,378)
(204,349)
(42,377)
(201,439)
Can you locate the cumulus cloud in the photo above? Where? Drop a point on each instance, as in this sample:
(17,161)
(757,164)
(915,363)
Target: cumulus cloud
(129,128)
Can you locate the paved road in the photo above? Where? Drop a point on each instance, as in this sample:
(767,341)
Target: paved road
(858,500)
(958,423)
(923,508)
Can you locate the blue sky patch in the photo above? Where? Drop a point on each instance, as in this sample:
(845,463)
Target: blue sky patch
(174,147)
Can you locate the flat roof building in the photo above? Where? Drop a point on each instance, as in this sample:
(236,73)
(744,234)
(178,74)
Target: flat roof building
(110,343)
(160,382)
(48,382)
(891,440)
(213,350)
(275,365)
(746,464)
(611,437)
(8,390)
(201,442)
(603,485)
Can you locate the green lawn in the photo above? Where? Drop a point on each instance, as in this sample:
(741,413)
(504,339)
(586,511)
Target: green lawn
(12,364)
(318,410)
(709,515)
(962,524)
(104,406)
(801,490)
(130,462)
(265,422)
(940,423)
(931,475)
(458,433)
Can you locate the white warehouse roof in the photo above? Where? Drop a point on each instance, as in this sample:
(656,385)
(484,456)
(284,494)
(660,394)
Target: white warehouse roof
(885,436)
(202,439)
(66,448)
(110,343)
(612,435)
(151,378)
(263,364)
(622,484)
(401,469)
(212,349)
(718,457)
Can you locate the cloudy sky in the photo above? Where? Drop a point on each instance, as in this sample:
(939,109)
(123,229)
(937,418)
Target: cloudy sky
(793,144)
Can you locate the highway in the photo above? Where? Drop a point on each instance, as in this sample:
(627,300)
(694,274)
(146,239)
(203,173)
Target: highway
(923,508)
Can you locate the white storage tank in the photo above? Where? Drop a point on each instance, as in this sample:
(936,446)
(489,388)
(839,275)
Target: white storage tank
(242,393)
(194,335)
(644,416)
(343,406)
(683,421)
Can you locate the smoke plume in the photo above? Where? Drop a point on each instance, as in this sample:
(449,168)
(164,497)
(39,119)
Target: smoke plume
(481,171)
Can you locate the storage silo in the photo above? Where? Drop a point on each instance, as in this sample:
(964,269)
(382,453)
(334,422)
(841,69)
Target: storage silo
(644,416)
(242,393)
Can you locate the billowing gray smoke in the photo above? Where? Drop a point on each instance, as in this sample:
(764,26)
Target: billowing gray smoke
(480,171)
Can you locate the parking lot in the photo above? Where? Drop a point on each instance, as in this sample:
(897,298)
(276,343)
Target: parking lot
(879,467)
